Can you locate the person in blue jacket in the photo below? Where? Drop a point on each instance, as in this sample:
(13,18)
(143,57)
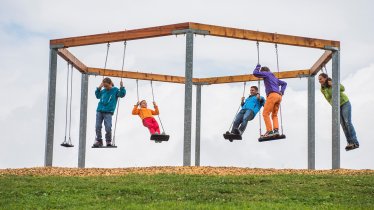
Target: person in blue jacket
(105,109)
(250,107)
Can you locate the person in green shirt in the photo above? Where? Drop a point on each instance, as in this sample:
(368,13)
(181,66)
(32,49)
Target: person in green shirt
(345,110)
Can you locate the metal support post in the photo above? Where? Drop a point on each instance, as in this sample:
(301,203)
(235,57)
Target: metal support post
(198,125)
(336,109)
(48,155)
(311,123)
(188,100)
(83,122)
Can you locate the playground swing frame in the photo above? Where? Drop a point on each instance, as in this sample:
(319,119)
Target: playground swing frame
(59,47)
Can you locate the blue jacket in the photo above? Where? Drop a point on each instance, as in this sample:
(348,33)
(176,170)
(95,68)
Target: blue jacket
(252,103)
(108,98)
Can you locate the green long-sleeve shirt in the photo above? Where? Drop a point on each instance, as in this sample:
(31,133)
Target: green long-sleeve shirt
(327,92)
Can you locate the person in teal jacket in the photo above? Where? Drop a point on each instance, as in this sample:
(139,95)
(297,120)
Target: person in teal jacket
(105,109)
(345,110)
(250,107)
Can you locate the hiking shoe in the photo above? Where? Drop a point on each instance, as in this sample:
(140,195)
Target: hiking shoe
(98,143)
(275,132)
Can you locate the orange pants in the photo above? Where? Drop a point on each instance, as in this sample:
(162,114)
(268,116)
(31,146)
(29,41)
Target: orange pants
(272,104)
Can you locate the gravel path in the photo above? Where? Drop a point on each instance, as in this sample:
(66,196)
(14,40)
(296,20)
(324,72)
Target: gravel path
(55,171)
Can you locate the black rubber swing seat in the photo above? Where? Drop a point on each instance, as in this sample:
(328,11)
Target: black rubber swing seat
(103,147)
(67,145)
(271,138)
(160,137)
(231,137)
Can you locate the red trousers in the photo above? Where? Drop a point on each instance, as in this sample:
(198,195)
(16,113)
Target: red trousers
(151,124)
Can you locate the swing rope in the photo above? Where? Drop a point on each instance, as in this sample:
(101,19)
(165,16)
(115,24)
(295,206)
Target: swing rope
(69,75)
(106,57)
(71,99)
(159,118)
(137,89)
(123,64)
(259,87)
(67,102)
(280,106)
(240,105)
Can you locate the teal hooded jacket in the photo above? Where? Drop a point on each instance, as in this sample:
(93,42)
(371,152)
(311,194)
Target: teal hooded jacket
(252,103)
(108,98)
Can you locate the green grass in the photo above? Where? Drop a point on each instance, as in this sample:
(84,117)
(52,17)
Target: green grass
(188,192)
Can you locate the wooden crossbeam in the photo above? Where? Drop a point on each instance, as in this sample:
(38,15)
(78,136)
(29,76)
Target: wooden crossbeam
(264,36)
(137,75)
(181,80)
(322,61)
(213,30)
(119,36)
(69,57)
(250,77)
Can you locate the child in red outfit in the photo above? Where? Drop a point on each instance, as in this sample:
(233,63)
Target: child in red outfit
(147,116)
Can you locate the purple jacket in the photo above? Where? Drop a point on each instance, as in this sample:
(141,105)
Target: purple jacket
(271,82)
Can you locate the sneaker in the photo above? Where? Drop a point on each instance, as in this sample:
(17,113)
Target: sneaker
(156,133)
(268,134)
(351,147)
(109,144)
(236,131)
(275,132)
(98,143)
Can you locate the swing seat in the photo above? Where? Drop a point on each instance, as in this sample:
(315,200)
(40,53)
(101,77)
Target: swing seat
(159,137)
(65,144)
(108,147)
(271,138)
(231,137)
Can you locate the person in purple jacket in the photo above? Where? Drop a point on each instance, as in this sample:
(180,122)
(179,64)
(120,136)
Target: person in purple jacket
(273,98)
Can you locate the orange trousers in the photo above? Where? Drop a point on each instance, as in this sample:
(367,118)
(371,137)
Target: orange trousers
(272,104)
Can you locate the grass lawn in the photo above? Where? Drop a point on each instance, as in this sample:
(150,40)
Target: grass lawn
(172,191)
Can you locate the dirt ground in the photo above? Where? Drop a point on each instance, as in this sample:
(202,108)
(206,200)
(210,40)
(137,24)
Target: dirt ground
(55,171)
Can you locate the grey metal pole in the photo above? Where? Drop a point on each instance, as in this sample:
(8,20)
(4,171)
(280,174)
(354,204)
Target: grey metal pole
(198,125)
(48,155)
(83,122)
(311,123)
(188,100)
(336,109)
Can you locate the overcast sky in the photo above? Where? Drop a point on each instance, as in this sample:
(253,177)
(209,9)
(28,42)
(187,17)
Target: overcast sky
(27,26)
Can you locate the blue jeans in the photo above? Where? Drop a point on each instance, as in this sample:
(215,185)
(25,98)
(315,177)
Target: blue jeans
(242,119)
(107,118)
(346,123)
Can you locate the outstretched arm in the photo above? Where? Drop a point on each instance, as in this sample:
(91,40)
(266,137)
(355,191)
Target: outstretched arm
(257,72)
